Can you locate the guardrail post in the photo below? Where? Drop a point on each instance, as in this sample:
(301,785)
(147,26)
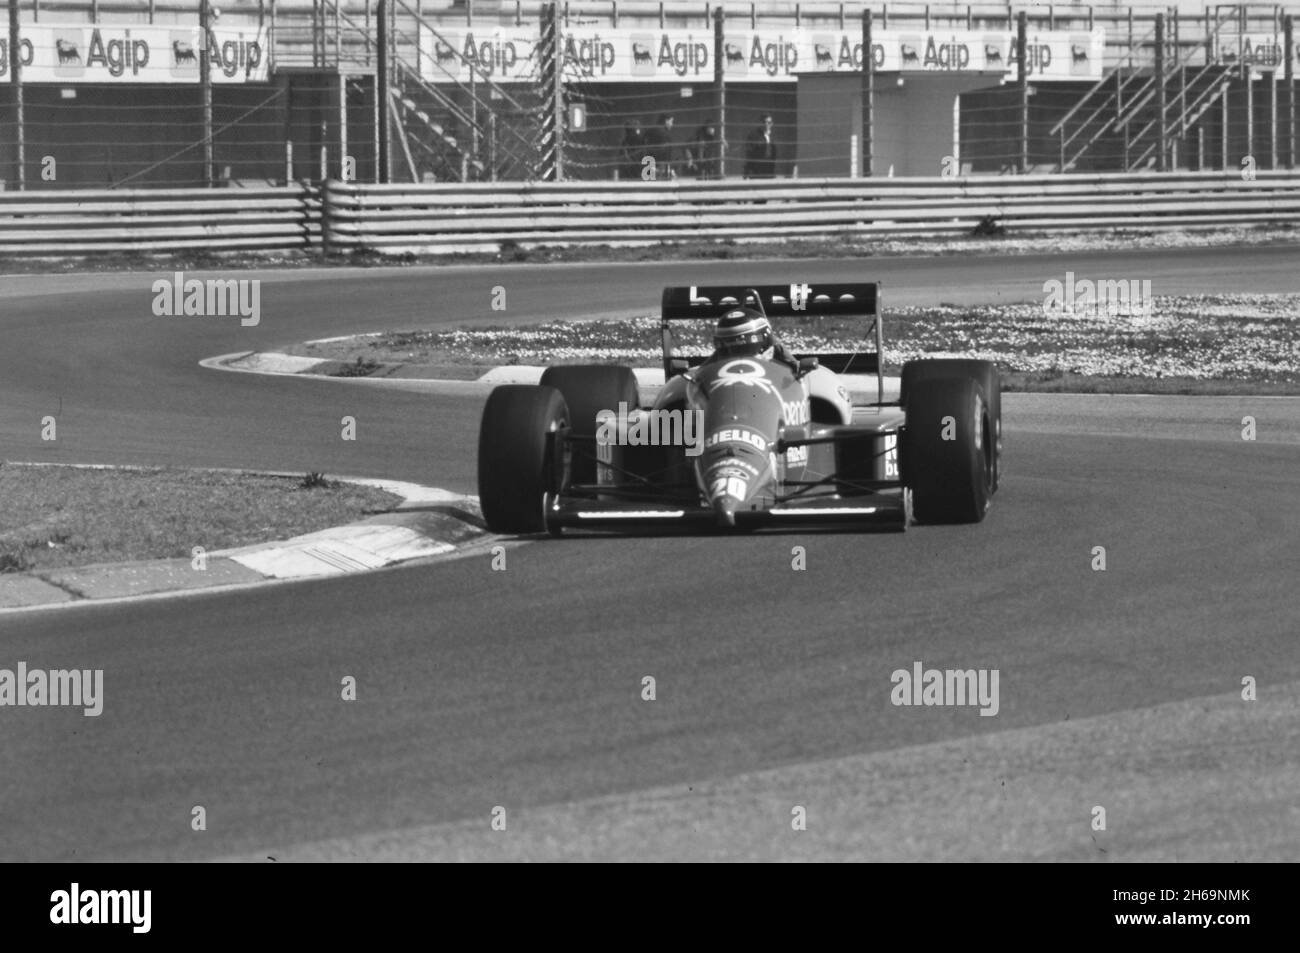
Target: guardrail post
(1022,86)
(16,80)
(868,96)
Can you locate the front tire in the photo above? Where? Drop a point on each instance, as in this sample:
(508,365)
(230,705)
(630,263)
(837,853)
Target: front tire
(518,443)
(588,389)
(985,373)
(946,451)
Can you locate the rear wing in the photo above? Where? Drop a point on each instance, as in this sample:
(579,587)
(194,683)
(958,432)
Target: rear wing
(860,299)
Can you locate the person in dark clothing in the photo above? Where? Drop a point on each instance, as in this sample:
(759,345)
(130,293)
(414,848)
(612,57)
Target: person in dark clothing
(706,152)
(760,151)
(659,143)
(633,150)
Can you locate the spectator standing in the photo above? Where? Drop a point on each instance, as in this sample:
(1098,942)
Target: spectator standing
(659,143)
(633,149)
(706,152)
(760,151)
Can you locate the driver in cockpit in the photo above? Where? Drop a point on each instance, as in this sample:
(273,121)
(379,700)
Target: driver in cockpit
(745,332)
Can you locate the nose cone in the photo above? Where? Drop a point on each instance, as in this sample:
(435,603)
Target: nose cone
(737,473)
(724,508)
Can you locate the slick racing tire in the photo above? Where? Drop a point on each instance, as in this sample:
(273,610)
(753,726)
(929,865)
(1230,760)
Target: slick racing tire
(589,389)
(985,372)
(947,451)
(517,447)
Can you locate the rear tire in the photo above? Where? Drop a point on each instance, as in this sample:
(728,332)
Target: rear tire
(945,451)
(517,443)
(587,390)
(985,372)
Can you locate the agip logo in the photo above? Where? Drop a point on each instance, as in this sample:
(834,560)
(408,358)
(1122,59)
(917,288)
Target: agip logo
(773,56)
(115,52)
(26,53)
(232,56)
(184,54)
(493,57)
(590,56)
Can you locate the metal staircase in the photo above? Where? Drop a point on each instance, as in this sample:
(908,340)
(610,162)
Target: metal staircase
(1154,96)
(451,120)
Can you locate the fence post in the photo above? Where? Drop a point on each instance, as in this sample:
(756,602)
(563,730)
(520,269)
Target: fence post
(551,54)
(383,130)
(1288,44)
(868,96)
(205,82)
(1162,104)
(720,83)
(1022,86)
(16,75)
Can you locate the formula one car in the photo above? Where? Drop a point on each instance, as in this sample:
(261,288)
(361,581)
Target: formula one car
(744,442)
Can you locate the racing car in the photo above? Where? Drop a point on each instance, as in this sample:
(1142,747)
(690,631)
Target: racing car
(778,439)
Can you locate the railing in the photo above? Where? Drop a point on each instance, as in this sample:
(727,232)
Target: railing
(438,219)
(158,220)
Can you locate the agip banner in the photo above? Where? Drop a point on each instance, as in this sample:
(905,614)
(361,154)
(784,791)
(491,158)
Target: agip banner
(135,53)
(630,55)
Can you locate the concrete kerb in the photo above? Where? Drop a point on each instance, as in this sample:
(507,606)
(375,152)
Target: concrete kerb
(429,522)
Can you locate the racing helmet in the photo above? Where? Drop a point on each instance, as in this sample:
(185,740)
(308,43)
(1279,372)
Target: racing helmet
(742,332)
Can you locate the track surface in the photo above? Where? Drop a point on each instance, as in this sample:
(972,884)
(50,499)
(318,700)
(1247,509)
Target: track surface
(522,688)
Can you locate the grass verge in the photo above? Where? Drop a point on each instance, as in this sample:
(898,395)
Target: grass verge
(1201,344)
(55,517)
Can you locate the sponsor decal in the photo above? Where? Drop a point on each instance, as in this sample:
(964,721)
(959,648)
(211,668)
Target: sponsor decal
(133,52)
(891,457)
(795,412)
(733,464)
(676,55)
(796,457)
(738,435)
(743,371)
(729,486)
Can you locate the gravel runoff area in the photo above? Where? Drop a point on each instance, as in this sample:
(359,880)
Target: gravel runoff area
(55,516)
(1203,344)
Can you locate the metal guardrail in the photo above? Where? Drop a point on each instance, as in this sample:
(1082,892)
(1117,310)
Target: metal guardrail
(159,220)
(444,219)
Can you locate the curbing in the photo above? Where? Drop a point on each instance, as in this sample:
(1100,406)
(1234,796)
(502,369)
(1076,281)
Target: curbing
(428,522)
(277,363)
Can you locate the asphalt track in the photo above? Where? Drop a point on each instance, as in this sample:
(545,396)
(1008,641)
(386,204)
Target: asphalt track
(522,688)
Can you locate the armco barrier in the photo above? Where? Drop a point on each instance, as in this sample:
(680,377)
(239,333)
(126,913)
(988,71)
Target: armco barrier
(156,220)
(448,218)
(452,217)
